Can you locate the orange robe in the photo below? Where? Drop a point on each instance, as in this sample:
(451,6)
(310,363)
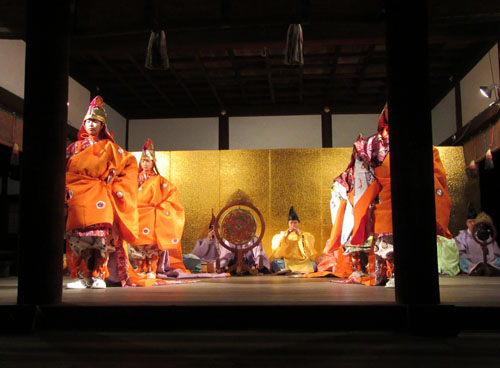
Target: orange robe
(333,261)
(161,218)
(382,212)
(94,177)
(93,189)
(442,197)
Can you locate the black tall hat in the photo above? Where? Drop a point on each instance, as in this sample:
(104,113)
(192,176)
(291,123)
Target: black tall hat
(471,212)
(292,215)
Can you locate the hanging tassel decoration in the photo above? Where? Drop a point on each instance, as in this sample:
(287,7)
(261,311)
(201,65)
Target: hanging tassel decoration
(157,57)
(488,160)
(14,169)
(294,54)
(14,158)
(472,170)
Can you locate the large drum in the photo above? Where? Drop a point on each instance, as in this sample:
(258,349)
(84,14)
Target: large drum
(239,227)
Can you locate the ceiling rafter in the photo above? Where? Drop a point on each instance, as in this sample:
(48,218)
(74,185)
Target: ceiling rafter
(209,82)
(364,65)
(183,85)
(301,84)
(269,76)
(225,11)
(475,54)
(333,72)
(250,110)
(122,80)
(237,74)
(150,80)
(229,38)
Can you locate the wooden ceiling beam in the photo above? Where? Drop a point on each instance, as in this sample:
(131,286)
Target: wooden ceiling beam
(314,57)
(237,74)
(460,70)
(6,35)
(225,11)
(441,15)
(258,36)
(250,37)
(256,110)
(209,82)
(142,71)
(301,84)
(364,65)
(121,79)
(282,73)
(269,76)
(333,72)
(183,85)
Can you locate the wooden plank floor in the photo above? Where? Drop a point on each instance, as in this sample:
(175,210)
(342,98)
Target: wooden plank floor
(267,290)
(225,349)
(258,302)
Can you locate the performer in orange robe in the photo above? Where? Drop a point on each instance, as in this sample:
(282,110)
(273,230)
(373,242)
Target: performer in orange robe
(360,245)
(101,197)
(161,218)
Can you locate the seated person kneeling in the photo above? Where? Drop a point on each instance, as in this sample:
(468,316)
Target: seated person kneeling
(293,249)
(471,252)
(208,250)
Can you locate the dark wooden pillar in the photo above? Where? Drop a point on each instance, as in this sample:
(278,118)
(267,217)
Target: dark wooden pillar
(223,131)
(4,203)
(326,128)
(410,128)
(458,107)
(127,130)
(43,166)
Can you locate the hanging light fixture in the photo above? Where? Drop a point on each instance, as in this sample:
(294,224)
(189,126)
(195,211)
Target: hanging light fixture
(156,57)
(487,91)
(294,54)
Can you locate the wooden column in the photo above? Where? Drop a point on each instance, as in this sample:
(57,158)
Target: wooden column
(223,131)
(127,131)
(326,128)
(4,198)
(458,107)
(4,217)
(44,139)
(410,128)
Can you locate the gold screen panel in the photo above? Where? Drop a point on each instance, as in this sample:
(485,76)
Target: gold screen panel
(276,179)
(246,171)
(462,189)
(295,180)
(197,176)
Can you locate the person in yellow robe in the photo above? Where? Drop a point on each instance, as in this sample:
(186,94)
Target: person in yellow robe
(293,249)
(101,198)
(161,219)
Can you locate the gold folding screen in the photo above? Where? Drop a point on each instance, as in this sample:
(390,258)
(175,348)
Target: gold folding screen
(276,179)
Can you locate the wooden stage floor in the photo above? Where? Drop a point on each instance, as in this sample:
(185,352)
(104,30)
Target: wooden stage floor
(267,290)
(262,303)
